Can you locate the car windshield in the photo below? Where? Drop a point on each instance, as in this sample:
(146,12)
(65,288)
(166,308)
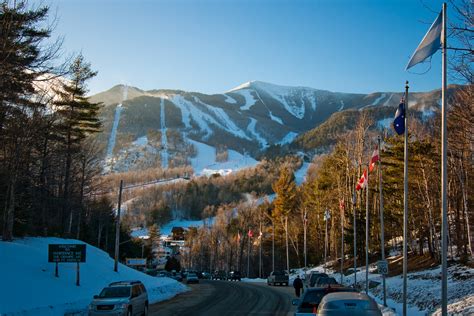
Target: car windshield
(327,281)
(313,298)
(116,291)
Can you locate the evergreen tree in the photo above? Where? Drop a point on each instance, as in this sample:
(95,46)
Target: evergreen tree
(78,119)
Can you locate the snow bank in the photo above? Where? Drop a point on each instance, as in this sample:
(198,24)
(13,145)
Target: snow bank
(30,287)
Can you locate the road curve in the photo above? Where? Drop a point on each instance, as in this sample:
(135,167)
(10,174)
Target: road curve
(226,298)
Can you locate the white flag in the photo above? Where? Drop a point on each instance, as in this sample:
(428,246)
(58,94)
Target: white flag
(430,43)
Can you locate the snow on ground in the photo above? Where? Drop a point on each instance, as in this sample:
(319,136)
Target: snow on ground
(113,133)
(376,101)
(165,230)
(385,123)
(300,174)
(288,138)
(229,99)
(386,103)
(164,140)
(34,290)
(140,141)
(251,128)
(227,123)
(275,118)
(286,96)
(341,107)
(249,99)
(424,289)
(205,161)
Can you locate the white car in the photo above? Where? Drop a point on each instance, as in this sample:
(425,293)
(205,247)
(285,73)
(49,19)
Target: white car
(348,304)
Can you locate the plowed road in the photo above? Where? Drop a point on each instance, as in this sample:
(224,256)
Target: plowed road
(211,298)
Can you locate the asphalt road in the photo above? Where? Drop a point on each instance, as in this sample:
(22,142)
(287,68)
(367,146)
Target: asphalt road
(228,298)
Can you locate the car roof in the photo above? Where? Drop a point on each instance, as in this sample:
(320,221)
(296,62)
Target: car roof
(337,287)
(125,283)
(339,296)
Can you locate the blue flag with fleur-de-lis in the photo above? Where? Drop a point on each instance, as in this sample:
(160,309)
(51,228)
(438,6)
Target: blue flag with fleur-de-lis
(399,120)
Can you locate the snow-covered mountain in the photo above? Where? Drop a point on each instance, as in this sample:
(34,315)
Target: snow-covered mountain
(156,127)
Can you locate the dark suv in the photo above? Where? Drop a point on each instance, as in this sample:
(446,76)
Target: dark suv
(121,298)
(235,276)
(219,275)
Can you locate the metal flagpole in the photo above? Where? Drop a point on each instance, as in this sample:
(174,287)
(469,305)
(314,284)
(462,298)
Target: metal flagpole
(260,252)
(354,200)
(405,206)
(326,239)
(248,256)
(367,233)
(273,246)
(342,241)
(444,178)
(304,227)
(117,228)
(382,232)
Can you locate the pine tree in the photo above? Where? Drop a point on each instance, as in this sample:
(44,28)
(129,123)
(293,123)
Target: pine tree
(79,118)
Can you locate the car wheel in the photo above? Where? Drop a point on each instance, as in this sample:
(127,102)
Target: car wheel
(145,312)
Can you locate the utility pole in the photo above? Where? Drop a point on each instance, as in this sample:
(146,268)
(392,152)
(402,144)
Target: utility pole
(405,206)
(260,251)
(117,228)
(304,232)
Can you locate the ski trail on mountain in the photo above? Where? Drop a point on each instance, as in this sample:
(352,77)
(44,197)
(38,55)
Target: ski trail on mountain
(272,117)
(113,133)
(164,140)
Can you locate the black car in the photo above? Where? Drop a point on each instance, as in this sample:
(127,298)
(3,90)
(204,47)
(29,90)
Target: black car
(312,297)
(219,275)
(314,276)
(235,276)
(323,282)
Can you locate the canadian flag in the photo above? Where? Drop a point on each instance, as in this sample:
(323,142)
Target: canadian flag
(375,158)
(250,233)
(362,181)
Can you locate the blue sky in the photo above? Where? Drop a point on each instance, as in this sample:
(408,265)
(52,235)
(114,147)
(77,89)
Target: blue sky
(211,46)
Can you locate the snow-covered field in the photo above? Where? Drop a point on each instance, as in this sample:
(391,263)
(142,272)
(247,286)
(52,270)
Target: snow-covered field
(29,286)
(205,161)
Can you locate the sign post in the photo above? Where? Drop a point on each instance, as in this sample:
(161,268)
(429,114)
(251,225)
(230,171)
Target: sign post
(382,267)
(67,253)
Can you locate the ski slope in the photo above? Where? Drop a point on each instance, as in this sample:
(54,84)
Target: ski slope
(164,140)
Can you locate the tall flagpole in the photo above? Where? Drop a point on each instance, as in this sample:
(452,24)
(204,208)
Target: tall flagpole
(354,200)
(382,232)
(444,178)
(367,234)
(405,205)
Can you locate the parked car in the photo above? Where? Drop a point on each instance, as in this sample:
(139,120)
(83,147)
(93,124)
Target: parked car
(313,277)
(191,278)
(309,302)
(164,273)
(278,277)
(348,304)
(219,275)
(177,276)
(323,282)
(121,298)
(206,275)
(234,275)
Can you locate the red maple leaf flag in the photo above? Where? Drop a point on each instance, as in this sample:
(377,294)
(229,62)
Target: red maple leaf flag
(375,158)
(250,233)
(362,181)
